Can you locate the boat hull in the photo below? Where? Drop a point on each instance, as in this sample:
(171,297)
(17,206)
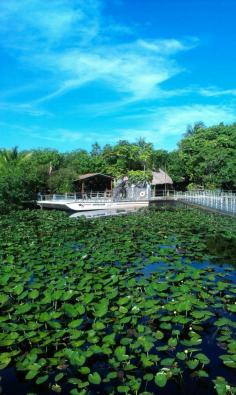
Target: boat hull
(93,205)
(106,205)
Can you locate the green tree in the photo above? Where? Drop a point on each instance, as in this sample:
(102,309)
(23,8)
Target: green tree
(145,153)
(62,180)
(209,156)
(12,157)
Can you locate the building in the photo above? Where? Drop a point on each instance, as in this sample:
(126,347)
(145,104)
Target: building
(161,181)
(92,183)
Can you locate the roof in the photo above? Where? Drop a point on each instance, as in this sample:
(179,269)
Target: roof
(160,177)
(90,175)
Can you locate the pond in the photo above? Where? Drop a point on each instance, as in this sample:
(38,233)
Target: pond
(138,304)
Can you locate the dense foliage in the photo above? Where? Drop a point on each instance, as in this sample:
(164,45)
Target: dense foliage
(205,157)
(135,308)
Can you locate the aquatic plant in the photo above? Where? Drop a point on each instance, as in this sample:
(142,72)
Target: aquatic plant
(132,304)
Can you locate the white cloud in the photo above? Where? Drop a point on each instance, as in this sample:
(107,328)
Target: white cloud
(24,108)
(131,69)
(47,23)
(214,92)
(163,124)
(73,44)
(71,40)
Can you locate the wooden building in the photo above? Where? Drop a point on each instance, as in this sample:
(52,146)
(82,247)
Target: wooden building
(161,181)
(93,183)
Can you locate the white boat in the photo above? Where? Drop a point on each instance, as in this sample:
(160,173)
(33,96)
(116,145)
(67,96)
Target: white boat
(84,206)
(90,204)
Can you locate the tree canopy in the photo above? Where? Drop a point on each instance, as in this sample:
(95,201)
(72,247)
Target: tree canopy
(205,156)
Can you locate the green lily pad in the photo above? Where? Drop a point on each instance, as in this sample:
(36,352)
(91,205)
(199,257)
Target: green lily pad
(160,379)
(94,378)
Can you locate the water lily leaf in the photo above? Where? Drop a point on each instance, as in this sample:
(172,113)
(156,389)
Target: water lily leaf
(167,361)
(84,370)
(42,379)
(18,289)
(75,323)
(97,326)
(73,380)
(109,339)
(123,389)
(33,294)
(184,306)
(88,298)
(94,378)
(224,322)
(74,391)
(70,310)
(202,358)
(3,299)
(75,357)
(123,300)
(148,377)
(159,335)
(31,374)
(160,379)
(232,308)
(57,295)
(229,360)
(172,342)
(23,308)
(5,359)
(181,355)
(80,309)
(54,324)
(221,386)
(161,287)
(146,361)
(120,353)
(192,363)
(101,308)
(59,376)
(165,325)
(202,373)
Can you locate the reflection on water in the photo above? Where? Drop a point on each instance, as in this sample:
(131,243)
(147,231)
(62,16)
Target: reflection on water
(103,213)
(222,248)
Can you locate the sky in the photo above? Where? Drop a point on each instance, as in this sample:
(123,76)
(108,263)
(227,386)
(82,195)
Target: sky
(76,72)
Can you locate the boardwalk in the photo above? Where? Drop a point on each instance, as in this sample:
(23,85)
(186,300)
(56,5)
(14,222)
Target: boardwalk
(220,201)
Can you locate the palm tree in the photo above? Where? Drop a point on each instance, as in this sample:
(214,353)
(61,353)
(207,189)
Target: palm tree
(12,157)
(145,153)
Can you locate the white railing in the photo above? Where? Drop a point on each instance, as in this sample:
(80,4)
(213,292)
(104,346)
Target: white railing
(141,194)
(222,201)
(75,196)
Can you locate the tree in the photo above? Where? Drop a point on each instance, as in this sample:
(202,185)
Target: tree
(193,129)
(62,180)
(209,156)
(12,157)
(96,150)
(160,159)
(145,153)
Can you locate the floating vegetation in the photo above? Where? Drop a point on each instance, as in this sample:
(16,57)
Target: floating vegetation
(127,305)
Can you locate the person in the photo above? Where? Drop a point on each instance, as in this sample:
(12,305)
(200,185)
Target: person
(39,196)
(120,188)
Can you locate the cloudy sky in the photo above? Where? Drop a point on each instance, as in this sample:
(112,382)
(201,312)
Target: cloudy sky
(73,72)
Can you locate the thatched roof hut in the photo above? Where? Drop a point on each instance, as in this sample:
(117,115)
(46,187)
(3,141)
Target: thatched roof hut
(161,178)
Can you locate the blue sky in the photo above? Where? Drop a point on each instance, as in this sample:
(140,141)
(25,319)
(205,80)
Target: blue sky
(78,71)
